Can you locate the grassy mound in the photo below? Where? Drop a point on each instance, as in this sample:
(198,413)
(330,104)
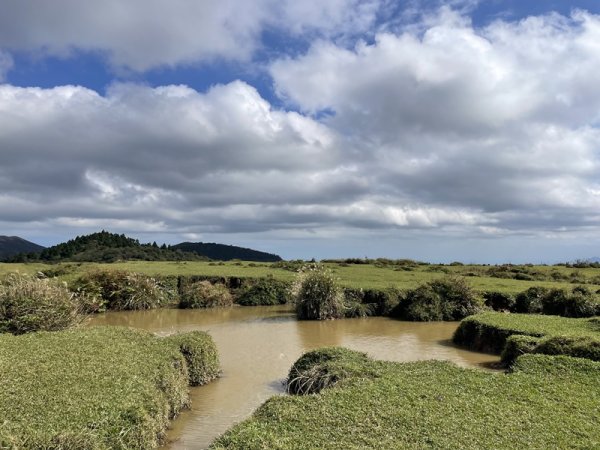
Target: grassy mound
(201,355)
(97,388)
(515,334)
(323,368)
(433,404)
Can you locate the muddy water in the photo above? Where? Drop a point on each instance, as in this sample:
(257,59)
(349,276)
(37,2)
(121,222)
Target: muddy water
(257,346)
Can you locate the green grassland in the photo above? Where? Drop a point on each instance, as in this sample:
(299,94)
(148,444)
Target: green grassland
(97,388)
(546,402)
(365,276)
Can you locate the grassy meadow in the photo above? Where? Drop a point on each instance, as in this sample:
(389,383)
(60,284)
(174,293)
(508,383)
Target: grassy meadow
(97,388)
(360,276)
(546,402)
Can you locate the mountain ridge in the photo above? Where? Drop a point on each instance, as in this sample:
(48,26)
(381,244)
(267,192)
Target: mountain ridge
(13,245)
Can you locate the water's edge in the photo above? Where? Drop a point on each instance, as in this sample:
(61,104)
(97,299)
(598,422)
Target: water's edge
(258,345)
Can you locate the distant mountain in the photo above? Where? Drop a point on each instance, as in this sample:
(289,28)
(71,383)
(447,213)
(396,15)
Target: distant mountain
(105,247)
(223,252)
(12,245)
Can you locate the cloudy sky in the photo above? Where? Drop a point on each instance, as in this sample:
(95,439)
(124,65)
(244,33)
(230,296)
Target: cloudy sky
(438,130)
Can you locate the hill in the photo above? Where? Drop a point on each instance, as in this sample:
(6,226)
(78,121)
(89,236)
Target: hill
(223,252)
(12,245)
(105,247)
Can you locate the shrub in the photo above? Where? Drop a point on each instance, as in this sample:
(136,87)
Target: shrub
(121,290)
(317,295)
(384,301)
(499,301)
(580,302)
(30,304)
(201,355)
(530,301)
(204,294)
(449,298)
(266,291)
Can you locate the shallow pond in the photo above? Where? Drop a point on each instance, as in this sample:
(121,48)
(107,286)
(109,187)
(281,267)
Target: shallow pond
(258,345)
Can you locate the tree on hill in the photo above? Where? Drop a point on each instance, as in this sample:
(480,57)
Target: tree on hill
(105,247)
(223,252)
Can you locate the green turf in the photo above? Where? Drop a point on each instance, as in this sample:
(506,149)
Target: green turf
(548,402)
(95,388)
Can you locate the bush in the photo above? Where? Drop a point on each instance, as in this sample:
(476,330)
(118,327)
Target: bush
(29,304)
(449,298)
(499,301)
(530,301)
(201,355)
(204,294)
(121,290)
(266,291)
(317,295)
(580,302)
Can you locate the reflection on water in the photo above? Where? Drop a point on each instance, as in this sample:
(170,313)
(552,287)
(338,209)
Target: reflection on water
(258,345)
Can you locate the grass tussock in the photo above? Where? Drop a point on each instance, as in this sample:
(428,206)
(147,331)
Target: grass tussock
(323,368)
(96,388)
(123,290)
(204,294)
(433,404)
(317,294)
(30,304)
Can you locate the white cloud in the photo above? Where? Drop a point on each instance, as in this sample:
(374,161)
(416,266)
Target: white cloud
(142,34)
(502,120)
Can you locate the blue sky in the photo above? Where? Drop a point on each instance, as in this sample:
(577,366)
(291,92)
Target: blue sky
(436,130)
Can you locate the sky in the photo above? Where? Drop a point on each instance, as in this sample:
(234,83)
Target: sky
(438,130)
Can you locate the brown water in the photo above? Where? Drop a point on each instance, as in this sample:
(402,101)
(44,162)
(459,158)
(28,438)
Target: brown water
(258,345)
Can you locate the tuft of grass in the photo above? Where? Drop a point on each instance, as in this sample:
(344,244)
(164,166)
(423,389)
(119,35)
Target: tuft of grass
(95,388)
(122,290)
(204,294)
(433,404)
(324,368)
(30,304)
(317,294)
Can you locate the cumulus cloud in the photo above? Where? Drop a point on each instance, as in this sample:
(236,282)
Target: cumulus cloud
(503,120)
(443,127)
(142,34)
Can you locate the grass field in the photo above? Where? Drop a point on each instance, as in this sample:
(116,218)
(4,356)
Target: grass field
(548,402)
(365,276)
(96,388)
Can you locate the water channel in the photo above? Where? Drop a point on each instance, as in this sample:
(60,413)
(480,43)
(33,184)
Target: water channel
(258,345)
